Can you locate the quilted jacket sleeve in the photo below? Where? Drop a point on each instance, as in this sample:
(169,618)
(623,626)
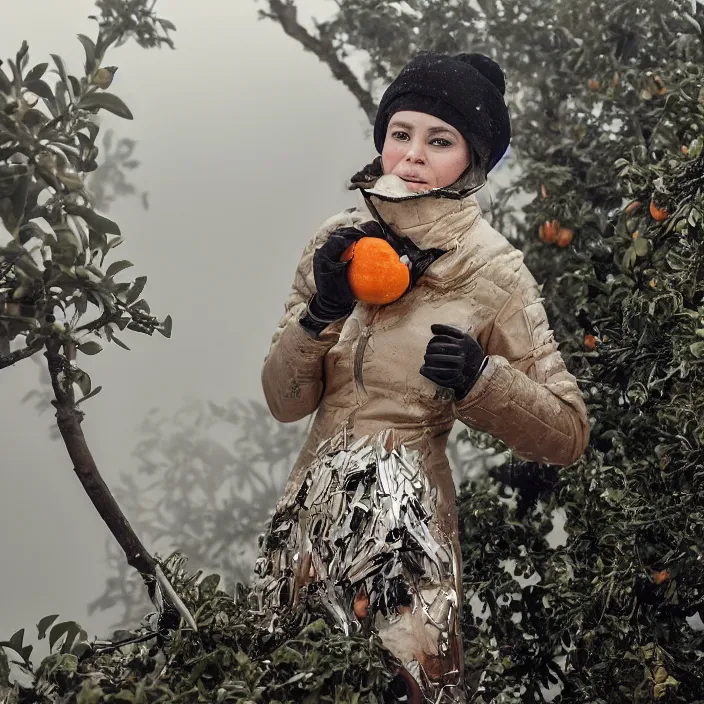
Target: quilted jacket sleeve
(525,396)
(293,374)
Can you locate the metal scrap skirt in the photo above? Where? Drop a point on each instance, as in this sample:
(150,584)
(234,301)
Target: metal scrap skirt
(360,541)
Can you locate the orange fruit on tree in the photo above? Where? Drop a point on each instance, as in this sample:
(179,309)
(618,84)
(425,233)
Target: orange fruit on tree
(548,231)
(376,273)
(660,577)
(658,214)
(633,205)
(590,342)
(564,236)
(593,84)
(361,603)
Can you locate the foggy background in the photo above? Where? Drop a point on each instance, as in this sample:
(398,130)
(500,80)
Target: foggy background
(246,143)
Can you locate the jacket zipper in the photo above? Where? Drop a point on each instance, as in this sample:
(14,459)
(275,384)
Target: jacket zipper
(359,352)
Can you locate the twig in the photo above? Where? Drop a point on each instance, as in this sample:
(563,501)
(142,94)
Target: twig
(285,14)
(19,355)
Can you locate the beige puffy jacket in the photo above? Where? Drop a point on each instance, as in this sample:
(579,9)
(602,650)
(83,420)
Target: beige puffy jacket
(362,373)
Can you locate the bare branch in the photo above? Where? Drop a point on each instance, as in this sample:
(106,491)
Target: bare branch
(19,355)
(68,418)
(284,12)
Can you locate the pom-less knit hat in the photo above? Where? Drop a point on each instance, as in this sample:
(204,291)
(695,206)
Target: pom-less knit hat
(466,91)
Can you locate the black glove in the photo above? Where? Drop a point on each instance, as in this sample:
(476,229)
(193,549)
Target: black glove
(453,359)
(333,297)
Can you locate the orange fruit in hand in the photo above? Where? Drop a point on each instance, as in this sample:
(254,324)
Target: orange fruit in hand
(376,273)
(658,214)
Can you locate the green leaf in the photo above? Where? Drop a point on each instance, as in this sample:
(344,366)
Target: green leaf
(693,22)
(208,585)
(16,639)
(4,669)
(697,349)
(33,118)
(89,47)
(25,264)
(41,88)
(629,258)
(22,54)
(36,73)
(5,85)
(165,327)
(82,380)
(119,343)
(15,643)
(97,222)
(62,72)
(640,246)
(72,180)
(141,305)
(135,291)
(94,392)
(75,86)
(19,197)
(117,267)
(97,241)
(70,629)
(106,101)
(167,25)
(80,649)
(44,623)
(90,347)
(116,242)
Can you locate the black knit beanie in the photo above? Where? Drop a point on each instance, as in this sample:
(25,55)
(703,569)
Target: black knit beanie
(466,91)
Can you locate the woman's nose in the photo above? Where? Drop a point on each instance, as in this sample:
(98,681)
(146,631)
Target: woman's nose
(415,154)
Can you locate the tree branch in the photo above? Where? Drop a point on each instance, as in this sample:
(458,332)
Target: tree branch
(284,12)
(19,355)
(68,418)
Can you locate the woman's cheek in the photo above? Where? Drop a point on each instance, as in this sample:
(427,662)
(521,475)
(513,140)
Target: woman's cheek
(390,158)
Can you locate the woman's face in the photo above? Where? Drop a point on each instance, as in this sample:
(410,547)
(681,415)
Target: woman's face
(424,151)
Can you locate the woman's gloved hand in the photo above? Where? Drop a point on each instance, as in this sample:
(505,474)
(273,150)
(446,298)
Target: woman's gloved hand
(453,359)
(333,297)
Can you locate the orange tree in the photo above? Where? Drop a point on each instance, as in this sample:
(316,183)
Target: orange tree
(608,112)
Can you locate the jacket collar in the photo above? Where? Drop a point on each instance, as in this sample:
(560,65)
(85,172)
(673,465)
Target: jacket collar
(429,219)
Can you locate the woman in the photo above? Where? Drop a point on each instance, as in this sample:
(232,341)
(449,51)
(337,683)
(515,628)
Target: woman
(367,526)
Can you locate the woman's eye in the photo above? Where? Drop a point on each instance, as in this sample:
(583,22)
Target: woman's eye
(403,136)
(443,142)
